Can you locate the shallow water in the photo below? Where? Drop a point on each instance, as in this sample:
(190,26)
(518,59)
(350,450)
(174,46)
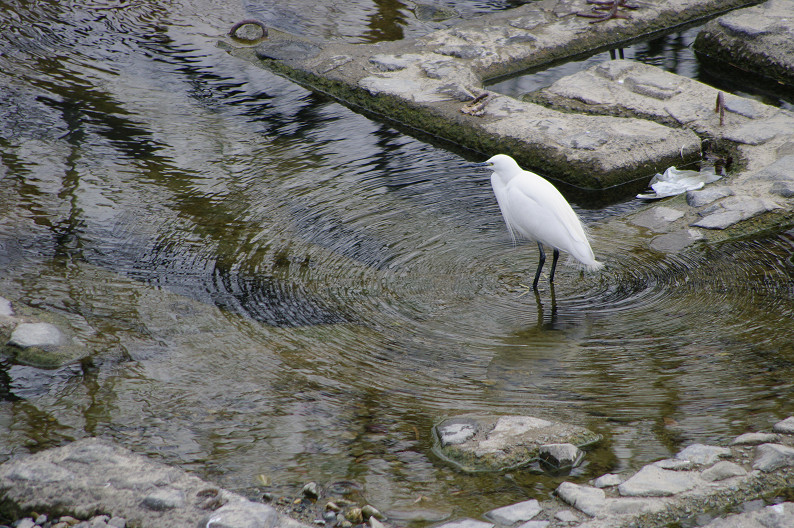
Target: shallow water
(274,285)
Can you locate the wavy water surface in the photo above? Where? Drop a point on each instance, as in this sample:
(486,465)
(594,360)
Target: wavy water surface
(272,284)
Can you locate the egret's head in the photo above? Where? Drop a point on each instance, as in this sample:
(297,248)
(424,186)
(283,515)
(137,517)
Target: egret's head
(502,163)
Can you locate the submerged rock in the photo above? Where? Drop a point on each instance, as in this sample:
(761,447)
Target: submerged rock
(43,345)
(37,335)
(488,443)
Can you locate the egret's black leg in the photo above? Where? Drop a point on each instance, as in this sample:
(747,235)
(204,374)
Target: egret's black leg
(541,260)
(554,263)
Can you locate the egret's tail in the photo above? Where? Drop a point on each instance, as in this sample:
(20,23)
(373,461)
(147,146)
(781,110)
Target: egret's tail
(594,266)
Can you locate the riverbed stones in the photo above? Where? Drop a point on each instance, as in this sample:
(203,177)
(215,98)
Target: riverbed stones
(93,475)
(629,88)
(497,443)
(241,514)
(772,516)
(674,464)
(733,210)
(755,39)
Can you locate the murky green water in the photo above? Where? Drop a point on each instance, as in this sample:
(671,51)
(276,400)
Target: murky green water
(272,284)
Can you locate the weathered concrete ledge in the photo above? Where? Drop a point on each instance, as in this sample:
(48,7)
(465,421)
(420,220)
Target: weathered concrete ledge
(756,39)
(424,83)
(759,138)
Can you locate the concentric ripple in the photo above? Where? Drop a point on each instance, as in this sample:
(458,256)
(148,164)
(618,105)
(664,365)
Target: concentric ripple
(272,284)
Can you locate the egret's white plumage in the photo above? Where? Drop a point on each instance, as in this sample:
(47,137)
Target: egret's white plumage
(535,210)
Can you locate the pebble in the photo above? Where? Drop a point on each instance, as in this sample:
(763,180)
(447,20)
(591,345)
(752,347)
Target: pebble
(311,490)
(369,511)
(354,515)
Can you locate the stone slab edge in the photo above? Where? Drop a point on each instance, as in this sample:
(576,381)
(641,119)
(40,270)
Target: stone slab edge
(573,35)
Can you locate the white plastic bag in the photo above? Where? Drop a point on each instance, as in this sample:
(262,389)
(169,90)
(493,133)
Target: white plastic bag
(675,181)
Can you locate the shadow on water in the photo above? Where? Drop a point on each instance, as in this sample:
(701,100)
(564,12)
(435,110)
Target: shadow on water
(272,284)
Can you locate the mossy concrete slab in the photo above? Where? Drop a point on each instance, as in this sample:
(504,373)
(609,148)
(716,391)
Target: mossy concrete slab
(759,138)
(755,39)
(426,83)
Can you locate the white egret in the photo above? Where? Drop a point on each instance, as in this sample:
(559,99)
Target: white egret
(535,210)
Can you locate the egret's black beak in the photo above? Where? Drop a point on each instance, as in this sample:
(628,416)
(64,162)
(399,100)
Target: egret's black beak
(479,165)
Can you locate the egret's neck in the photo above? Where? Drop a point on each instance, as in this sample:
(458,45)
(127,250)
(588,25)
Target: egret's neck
(505,176)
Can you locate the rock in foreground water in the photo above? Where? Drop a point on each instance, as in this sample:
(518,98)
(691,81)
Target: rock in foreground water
(489,443)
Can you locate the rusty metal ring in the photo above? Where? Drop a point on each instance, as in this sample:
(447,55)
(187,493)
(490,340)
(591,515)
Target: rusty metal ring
(248,22)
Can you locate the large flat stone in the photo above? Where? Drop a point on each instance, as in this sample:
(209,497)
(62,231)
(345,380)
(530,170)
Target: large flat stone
(652,481)
(630,88)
